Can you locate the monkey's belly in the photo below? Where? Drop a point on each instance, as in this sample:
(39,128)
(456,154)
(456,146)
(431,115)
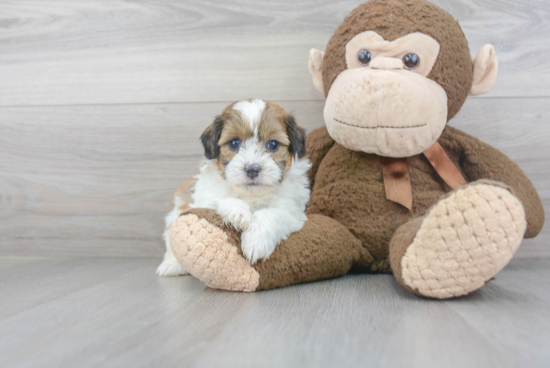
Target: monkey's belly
(349,188)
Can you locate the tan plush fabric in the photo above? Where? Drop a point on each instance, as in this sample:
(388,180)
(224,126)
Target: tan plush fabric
(315,68)
(452,241)
(349,187)
(403,237)
(481,161)
(208,250)
(322,249)
(360,225)
(211,252)
(392,113)
(393,19)
(424,46)
(464,241)
(485,70)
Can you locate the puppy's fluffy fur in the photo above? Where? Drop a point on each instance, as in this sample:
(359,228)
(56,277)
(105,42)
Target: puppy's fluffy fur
(254,176)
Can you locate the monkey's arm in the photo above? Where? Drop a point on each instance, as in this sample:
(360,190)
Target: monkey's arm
(318,143)
(481,161)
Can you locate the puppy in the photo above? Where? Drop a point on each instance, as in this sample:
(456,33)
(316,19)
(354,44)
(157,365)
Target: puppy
(254,176)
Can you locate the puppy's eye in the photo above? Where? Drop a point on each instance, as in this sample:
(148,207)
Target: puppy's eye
(411,61)
(364,57)
(272,145)
(234,144)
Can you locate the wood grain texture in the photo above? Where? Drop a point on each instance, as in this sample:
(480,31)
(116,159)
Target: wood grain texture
(102,103)
(116,51)
(97,180)
(91,312)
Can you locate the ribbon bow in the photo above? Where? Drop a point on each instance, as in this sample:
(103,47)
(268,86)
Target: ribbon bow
(398,183)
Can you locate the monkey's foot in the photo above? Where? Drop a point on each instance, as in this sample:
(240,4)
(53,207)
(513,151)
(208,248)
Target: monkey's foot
(465,240)
(209,251)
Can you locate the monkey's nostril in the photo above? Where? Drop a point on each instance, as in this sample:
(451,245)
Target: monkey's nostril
(253,170)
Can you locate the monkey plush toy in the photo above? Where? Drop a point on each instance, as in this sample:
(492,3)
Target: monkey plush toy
(394,188)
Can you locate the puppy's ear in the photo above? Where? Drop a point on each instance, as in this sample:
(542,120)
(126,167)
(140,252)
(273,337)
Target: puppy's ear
(297,137)
(210,138)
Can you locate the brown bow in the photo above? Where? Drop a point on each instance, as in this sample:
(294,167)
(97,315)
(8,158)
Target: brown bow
(398,183)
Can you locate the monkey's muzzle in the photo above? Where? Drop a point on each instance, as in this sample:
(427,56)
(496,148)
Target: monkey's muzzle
(392,113)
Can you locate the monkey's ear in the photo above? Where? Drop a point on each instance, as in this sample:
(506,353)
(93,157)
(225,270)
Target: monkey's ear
(485,70)
(316,68)
(210,138)
(297,137)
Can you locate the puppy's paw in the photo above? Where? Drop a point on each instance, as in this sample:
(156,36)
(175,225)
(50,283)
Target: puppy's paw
(171,267)
(235,212)
(257,243)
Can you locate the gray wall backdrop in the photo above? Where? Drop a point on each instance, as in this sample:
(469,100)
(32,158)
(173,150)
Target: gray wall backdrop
(102,103)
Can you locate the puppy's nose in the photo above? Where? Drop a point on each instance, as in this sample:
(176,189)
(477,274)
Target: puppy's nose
(252,170)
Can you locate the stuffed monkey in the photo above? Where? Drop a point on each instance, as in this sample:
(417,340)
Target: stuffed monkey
(394,188)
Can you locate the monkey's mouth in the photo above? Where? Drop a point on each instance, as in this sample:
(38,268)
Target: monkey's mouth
(381,126)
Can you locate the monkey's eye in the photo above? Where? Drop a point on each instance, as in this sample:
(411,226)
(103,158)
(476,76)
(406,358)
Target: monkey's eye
(272,145)
(364,57)
(234,144)
(411,61)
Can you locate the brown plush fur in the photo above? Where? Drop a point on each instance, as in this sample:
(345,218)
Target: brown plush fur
(396,18)
(361,230)
(352,226)
(481,161)
(350,189)
(295,263)
(398,246)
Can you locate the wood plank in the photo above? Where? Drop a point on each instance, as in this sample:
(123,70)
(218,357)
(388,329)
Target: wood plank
(97,179)
(511,311)
(133,318)
(118,51)
(90,180)
(49,279)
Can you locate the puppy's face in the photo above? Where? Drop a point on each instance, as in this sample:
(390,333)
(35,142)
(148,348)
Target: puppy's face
(254,143)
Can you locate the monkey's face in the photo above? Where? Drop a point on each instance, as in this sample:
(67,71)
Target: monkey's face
(394,73)
(383,103)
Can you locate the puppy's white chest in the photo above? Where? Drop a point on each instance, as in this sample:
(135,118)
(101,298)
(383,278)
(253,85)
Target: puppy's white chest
(259,203)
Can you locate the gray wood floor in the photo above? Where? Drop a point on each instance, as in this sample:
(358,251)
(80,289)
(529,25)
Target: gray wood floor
(101,106)
(88,312)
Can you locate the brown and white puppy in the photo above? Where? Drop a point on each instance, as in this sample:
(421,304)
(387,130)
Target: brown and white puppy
(254,176)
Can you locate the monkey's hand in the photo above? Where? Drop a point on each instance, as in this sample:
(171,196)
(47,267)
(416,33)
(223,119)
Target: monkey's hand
(481,161)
